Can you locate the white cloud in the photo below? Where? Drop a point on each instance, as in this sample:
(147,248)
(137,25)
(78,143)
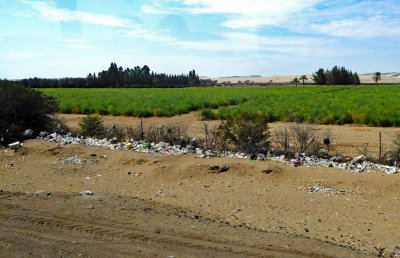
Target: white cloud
(248,42)
(358,27)
(153,9)
(60,15)
(22,55)
(250,13)
(358,19)
(125,27)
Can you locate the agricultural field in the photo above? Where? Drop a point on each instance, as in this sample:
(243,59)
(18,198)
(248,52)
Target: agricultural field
(370,105)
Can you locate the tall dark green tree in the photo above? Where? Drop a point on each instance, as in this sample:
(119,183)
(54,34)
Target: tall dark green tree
(336,76)
(24,108)
(319,77)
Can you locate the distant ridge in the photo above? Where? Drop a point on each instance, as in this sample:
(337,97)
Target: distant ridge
(246,76)
(391,75)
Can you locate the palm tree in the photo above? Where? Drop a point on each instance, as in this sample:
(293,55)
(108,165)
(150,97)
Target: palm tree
(303,78)
(296,81)
(377,77)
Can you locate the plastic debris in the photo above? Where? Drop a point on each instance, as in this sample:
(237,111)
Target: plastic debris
(323,189)
(359,164)
(15,145)
(86,193)
(72,160)
(27,133)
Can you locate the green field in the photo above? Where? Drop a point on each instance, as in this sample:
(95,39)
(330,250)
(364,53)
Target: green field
(370,105)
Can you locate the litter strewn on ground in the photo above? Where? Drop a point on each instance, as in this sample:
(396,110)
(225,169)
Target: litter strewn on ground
(72,160)
(359,164)
(323,189)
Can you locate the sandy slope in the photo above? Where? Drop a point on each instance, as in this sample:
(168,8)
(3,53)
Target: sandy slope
(364,78)
(148,205)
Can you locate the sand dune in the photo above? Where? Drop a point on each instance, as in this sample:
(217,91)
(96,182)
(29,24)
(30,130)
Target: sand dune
(393,77)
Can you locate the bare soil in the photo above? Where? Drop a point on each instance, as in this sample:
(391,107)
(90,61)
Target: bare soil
(152,205)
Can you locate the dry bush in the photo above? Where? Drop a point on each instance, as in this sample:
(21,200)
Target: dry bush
(316,148)
(114,132)
(282,137)
(395,153)
(135,133)
(303,137)
(172,134)
(152,134)
(247,132)
(59,125)
(213,138)
(363,149)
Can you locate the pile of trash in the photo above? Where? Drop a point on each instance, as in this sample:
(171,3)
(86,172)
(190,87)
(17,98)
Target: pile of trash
(72,160)
(359,164)
(323,189)
(138,146)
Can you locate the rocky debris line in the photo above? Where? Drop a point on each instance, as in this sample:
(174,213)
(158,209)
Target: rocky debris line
(359,164)
(323,189)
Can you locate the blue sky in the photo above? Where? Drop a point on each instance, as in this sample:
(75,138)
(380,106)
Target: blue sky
(59,38)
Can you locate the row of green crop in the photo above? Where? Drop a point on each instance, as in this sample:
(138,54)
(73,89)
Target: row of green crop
(143,102)
(370,105)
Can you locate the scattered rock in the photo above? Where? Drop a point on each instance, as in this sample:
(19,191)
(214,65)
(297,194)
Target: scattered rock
(43,134)
(27,133)
(218,169)
(214,168)
(223,169)
(72,160)
(324,189)
(396,252)
(90,207)
(86,193)
(271,170)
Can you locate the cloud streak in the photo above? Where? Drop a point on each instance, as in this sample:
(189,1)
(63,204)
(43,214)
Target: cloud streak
(124,27)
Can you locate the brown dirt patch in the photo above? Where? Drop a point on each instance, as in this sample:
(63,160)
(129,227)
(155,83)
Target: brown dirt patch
(166,205)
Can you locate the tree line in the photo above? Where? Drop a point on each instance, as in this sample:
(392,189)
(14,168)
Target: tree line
(118,77)
(335,76)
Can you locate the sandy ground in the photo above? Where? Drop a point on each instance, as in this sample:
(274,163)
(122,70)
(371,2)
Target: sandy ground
(152,205)
(386,78)
(350,139)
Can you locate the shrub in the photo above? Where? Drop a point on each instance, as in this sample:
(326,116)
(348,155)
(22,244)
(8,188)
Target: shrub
(22,109)
(282,139)
(247,132)
(172,134)
(59,125)
(213,138)
(114,132)
(395,154)
(92,126)
(303,137)
(208,114)
(134,133)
